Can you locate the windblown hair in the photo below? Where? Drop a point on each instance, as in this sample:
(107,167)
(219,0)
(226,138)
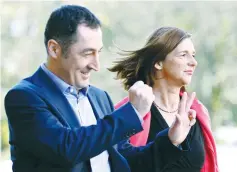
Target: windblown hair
(139,64)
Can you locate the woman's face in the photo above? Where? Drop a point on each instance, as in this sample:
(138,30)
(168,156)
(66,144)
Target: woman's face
(179,65)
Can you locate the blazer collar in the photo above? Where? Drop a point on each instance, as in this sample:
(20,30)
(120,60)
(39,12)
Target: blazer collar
(54,96)
(52,93)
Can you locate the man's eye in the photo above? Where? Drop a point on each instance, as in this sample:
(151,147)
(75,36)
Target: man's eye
(88,53)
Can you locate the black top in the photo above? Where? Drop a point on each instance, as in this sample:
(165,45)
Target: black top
(190,161)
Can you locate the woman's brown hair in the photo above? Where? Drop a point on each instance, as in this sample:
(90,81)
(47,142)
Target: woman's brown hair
(139,64)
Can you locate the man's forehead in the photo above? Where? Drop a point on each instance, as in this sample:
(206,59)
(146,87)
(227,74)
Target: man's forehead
(85,33)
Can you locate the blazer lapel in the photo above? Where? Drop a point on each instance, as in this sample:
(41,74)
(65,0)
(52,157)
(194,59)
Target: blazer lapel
(94,104)
(52,94)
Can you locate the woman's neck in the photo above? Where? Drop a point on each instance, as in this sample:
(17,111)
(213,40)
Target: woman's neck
(166,96)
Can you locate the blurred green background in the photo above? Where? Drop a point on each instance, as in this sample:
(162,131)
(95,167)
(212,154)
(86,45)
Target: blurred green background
(127,24)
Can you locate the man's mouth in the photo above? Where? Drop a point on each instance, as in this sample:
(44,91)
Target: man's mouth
(86,74)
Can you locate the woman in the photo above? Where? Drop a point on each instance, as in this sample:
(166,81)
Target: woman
(167,63)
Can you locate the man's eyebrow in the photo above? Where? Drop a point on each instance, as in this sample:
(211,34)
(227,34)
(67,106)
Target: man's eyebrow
(90,49)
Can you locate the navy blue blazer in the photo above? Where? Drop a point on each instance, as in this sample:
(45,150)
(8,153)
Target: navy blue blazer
(46,136)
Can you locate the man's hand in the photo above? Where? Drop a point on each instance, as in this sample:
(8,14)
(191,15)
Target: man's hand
(185,119)
(141,97)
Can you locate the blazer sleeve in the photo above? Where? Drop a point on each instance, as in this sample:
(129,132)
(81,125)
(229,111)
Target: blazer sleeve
(154,156)
(35,130)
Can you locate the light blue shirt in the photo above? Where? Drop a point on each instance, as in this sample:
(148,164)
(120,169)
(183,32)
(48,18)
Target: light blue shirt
(82,108)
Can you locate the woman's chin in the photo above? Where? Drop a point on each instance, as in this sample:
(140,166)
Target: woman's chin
(186,81)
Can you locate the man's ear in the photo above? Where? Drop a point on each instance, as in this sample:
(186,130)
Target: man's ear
(54,49)
(159,65)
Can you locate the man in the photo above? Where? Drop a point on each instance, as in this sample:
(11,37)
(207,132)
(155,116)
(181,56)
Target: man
(60,123)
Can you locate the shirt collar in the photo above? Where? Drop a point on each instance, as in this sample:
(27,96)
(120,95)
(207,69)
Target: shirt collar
(62,85)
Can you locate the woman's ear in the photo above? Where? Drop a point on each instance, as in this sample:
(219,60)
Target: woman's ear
(54,49)
(159,65)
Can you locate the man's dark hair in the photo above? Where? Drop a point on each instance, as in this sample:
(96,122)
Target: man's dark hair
(63,22)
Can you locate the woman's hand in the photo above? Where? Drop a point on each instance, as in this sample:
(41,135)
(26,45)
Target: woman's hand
(184,120)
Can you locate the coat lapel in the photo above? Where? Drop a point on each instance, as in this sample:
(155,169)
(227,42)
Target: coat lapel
(94,104)
(49,90)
